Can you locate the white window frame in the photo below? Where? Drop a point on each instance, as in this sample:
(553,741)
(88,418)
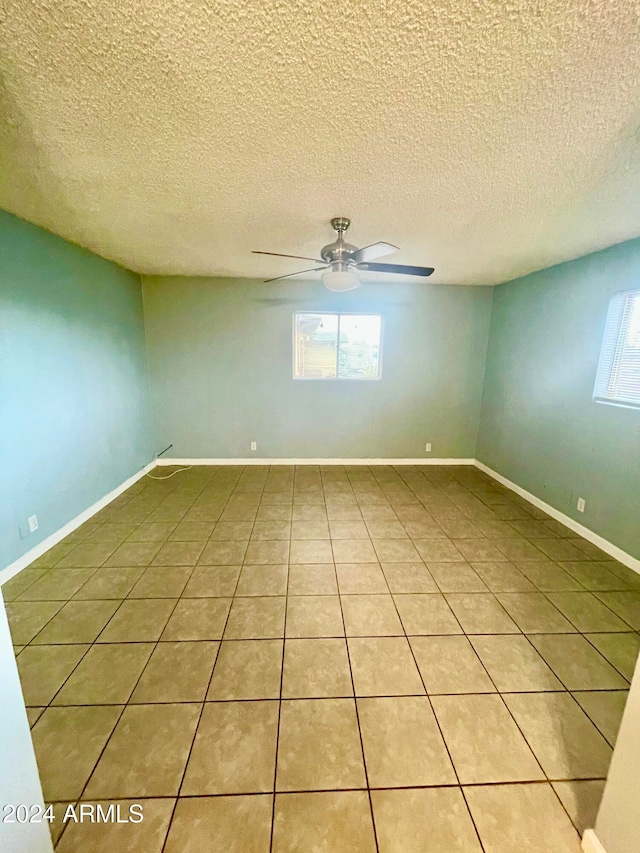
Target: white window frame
(604,388)
(337,314)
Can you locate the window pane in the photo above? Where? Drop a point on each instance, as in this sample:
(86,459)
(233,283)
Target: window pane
(618,379)
(315,346)
(359,347)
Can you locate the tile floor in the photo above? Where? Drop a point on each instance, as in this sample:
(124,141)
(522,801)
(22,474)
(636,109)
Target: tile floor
(327,660)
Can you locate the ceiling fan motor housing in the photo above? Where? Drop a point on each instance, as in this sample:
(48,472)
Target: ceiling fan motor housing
(339,251)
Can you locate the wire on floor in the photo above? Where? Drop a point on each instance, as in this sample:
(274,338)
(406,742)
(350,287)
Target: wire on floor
(173,473)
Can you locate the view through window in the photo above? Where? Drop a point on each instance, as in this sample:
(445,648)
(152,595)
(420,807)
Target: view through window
(618,379)
(337,346)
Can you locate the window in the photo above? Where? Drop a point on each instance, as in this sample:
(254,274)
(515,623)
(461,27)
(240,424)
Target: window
(337,346)
(618,379)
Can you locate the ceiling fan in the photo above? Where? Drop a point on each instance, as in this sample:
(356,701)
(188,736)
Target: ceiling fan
(342,261)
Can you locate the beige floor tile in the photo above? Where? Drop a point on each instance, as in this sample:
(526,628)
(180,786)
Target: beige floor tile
(27,618)
(109,583)
(263,580)
(78,622)
(438,551)
(230,824)
(82,557)
(148,835)
(558,549)
(268,530)
(67,743)
(44,669)
(384,666)
(514,665)
(197,619)
(547,576)
(319,745)
(533,613)
(161,582)
(370,616)
(409,577)
(310,529)
(353,551)
(19,583)
(192,531)
(57,825)
(177,672)
(308,511)
(311,551)
(450,665)
(621,650)
(239,513)
(235,749)
(481,614)
(147,753)
(396,551)
(336,821)
(456,577)
(460,528)
(584,611)
(223,553)
(500,755)
(316,668)
(426,614)
(403,746)
(360,578)
(179,554)
(106,676)
(502,577)
(137,620)
(34,714)
(267,552)
(581,799)
(247,669)
(605,709)
(256,619)
(53,556)
(518,549)
(314,616)
(158,531)
(354,529)
(385,528)
(212,582)
(232,531)
(594,576)
(424,528)
(277,512)
(133,554)
(625,604)
(564,740)
(526,818)
(313,579)
(479,550)
(57,585)
(426,820)
(576,663)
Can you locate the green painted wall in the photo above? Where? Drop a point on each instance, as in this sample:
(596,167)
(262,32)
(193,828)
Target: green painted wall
(74,404)
(220,357)
(540,427)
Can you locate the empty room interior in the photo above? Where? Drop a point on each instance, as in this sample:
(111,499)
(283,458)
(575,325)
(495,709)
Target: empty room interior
(319,426)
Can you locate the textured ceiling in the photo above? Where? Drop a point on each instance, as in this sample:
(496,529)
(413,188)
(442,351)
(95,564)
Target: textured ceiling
(487,138)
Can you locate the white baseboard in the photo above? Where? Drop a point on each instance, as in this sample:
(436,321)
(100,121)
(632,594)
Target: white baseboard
(591,843)
(604,545)
(359,461)
(28,558)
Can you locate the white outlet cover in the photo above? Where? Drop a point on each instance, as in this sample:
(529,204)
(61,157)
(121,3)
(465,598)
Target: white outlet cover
(33,523)
(581,504)
(428,447)
(254,445)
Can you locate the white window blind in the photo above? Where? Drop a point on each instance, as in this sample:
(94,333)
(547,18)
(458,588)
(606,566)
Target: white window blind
(337,346)
(618,378)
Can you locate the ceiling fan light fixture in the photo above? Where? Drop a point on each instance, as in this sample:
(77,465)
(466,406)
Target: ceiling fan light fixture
(340,280)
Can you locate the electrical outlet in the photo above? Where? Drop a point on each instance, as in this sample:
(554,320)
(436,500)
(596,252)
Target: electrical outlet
(427,447)
(33,523)
(254,445)
(581,504)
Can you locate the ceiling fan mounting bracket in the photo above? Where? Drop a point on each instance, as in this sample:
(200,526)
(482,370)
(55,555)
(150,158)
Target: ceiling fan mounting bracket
(340,224)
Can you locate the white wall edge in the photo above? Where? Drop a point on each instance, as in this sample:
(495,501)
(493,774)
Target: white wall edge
(604,545)
(591,843)
(28,558)
(359,461)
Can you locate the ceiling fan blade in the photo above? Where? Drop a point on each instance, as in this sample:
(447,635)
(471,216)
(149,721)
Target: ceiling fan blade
(279,255)
(375,250)
(289,274)
(396,268)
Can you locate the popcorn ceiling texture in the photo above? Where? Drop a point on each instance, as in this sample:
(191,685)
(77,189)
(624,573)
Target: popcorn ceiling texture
(488,138)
